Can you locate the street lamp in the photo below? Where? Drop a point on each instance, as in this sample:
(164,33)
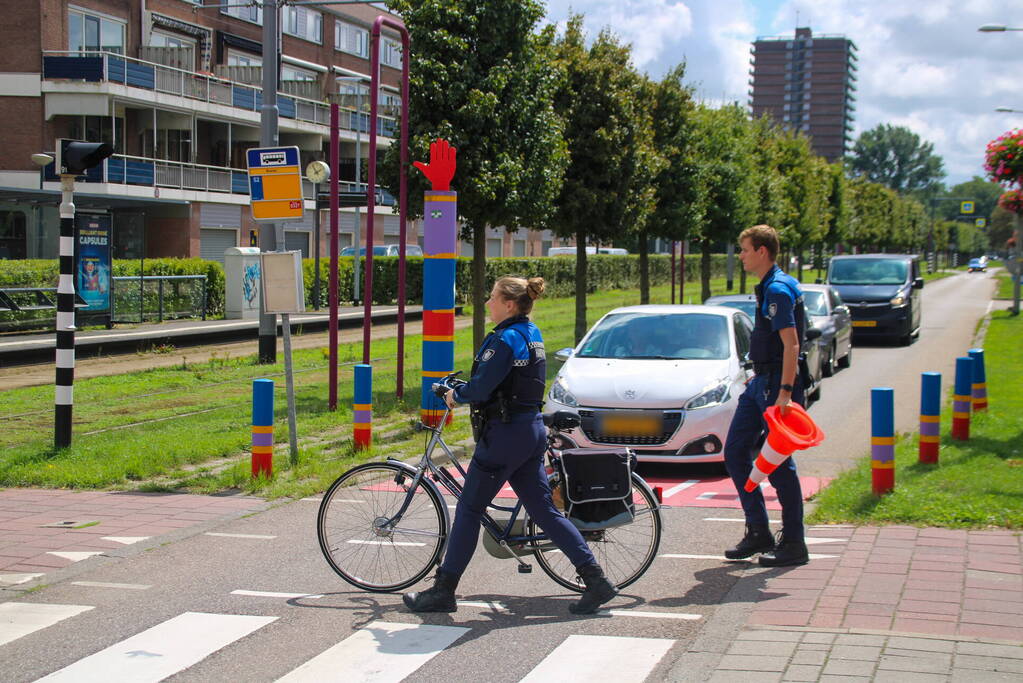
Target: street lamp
(1009,109)
(997,28)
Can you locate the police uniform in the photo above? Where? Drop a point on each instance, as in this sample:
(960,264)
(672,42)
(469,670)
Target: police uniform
(779,306)
(506,393)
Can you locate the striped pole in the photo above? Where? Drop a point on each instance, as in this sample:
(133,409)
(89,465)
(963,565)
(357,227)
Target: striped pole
(882,440)
(362,406)
(979,380)
(440,213)
(961,399)
(930,416)
(262,428)
(65,379)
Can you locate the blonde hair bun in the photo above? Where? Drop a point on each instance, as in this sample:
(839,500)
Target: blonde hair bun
(536,287)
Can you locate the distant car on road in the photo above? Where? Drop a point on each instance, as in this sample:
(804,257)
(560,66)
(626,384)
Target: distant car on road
(882,292)
(977,265)
(829,315)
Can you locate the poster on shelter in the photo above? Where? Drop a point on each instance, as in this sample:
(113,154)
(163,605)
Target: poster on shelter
(92,261)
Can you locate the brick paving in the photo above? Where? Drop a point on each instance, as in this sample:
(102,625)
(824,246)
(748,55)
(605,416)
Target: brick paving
(101,521)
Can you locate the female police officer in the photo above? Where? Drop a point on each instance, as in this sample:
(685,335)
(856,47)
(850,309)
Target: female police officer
(506,390)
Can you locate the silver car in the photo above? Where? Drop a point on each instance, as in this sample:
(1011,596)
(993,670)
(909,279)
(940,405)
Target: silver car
(663,380)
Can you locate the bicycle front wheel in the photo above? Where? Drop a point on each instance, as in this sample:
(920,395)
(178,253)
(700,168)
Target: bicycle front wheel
(624,552)
(362,539)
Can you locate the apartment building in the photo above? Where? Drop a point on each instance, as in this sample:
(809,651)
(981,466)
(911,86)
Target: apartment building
(175,87)
(807,83)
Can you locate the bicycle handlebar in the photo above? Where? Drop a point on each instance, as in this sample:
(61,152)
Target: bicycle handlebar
(449,382)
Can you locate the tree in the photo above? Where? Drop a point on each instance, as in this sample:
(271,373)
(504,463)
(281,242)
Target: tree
(984,194)
(481,78)
(897,158)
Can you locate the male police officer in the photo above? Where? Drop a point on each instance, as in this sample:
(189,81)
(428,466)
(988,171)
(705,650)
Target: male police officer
(774,352)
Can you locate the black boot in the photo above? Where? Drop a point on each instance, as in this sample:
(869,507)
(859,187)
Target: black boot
(789,552)
(440,598)
(758,539)
(598,590)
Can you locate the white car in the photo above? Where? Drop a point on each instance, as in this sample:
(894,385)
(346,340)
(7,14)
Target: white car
(663,380)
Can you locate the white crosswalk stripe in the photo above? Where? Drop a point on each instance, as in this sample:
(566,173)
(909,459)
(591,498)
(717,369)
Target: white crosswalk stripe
(596,659)
(163,650)
(18,619)
(378,652)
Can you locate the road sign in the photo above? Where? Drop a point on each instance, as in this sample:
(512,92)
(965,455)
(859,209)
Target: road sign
(980,222)
(965,208)
(275,184)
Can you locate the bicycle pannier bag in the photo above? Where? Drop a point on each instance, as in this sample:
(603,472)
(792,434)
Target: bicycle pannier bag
(597,487)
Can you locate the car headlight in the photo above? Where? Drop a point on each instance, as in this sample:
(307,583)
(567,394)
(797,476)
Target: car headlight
(561,394)
(899,300)
(716,395)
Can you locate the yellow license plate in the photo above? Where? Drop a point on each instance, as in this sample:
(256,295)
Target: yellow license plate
(864,323)
(632,425)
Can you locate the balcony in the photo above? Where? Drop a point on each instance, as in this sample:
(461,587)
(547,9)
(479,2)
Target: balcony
(109,67)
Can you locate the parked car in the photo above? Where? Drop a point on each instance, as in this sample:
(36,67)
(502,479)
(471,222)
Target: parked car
(977,264)
(747,303)
(568,251)
(385,250)
(829,315)
(882,292)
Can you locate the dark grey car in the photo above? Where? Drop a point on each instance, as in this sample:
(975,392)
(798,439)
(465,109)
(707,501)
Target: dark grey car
(824,306)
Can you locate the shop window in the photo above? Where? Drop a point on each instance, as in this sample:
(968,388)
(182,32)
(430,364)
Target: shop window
(13,240)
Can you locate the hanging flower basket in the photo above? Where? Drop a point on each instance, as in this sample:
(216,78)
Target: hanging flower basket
(1004,158)
(1012,200)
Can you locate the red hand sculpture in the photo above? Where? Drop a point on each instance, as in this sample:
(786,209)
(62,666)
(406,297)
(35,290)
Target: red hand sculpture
(442,165)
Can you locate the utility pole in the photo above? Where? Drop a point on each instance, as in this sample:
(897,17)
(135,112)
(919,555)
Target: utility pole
(268,137)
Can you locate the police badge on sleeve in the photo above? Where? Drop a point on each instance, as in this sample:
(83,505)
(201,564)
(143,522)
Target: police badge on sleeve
(487,355)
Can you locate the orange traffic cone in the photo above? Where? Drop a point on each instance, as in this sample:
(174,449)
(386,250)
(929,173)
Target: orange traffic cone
(785,435)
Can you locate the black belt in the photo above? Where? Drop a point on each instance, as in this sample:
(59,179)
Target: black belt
(493,410)
(766,368)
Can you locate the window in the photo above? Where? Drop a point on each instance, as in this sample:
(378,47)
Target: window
(390,103)
(243,59)
(98,129)
(494,248)
(160,39)
(13,235)
(742,335)
(291,73)
(304,23)
(390,53)
(351,38)
(253,13)
(93,33)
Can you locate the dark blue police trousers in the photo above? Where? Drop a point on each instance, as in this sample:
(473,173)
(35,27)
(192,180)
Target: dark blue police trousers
(746,436)
(510,452)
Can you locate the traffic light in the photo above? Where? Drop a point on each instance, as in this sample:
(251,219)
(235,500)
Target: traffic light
(75,157)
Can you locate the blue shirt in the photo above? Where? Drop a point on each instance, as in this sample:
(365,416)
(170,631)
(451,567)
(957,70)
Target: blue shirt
(506,348)
(779,306)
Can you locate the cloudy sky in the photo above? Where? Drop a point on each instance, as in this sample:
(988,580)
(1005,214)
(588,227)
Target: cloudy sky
(922,64)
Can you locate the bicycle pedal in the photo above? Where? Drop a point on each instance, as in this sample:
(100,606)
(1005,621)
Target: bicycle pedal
(525,569)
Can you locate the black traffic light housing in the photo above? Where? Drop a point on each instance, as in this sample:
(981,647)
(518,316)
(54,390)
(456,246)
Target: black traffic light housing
(75,157)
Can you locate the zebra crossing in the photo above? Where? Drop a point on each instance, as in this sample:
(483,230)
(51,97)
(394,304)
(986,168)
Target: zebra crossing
(380,651)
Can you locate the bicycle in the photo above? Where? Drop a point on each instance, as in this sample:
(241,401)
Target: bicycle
(382,526)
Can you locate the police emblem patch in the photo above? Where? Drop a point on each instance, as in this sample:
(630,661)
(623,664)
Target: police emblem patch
(487,355)
(772,310)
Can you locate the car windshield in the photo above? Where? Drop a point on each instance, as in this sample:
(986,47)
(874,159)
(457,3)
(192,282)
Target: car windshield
(666,336)
(974,261)
(746,306)
(814,303)
(867,271)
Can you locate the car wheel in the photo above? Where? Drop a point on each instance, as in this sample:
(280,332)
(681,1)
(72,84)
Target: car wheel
(846,360)
(828,367)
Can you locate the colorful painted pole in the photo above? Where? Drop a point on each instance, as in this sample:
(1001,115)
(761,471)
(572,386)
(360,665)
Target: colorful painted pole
(262,427)
(979,380)
(882,440)
(362,406)
(930,416)
(961,398)
(440,226)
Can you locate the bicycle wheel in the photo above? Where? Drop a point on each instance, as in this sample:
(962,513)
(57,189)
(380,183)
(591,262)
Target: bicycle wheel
(624,552)
(361,547)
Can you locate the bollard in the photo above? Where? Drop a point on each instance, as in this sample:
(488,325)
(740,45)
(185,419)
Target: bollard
(930,416)
(882,440)
(262,427)
(961,398)
(979,380)
(362,406)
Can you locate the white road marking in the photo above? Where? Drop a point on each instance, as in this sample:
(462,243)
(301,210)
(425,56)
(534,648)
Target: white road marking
(485,604)
(651,615)
(377,653)
(75,556)
(18,619)
(596,659)
(163,650)
(813,540)
(707,496)
(404,543)
(268,594)
(679,487)
(312,499)
(125,540)
(120,586)
(255,536)
(733,519)
(677,556)
(16,579)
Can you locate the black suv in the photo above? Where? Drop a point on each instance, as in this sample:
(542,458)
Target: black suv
(882,292)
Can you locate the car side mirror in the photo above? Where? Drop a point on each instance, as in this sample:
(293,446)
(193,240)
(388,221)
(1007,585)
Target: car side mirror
(813,333)
(918,283)
(747,364)
(564,354)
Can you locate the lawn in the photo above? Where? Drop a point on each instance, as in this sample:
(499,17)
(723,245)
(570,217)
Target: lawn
(976,483)
(188,427)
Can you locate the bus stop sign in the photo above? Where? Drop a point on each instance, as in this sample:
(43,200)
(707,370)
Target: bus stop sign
(275,184)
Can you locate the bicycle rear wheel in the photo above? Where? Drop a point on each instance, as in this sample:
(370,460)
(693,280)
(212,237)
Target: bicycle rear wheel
(358,543)
(624,552)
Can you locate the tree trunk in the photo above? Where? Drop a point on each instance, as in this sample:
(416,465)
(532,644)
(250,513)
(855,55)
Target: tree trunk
(644,268)
(682,272)
(580,285)
(705,270)
(742,280)
(799,264)
(479,284)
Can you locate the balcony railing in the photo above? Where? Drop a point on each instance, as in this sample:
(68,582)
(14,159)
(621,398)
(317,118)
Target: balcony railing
(111,67)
